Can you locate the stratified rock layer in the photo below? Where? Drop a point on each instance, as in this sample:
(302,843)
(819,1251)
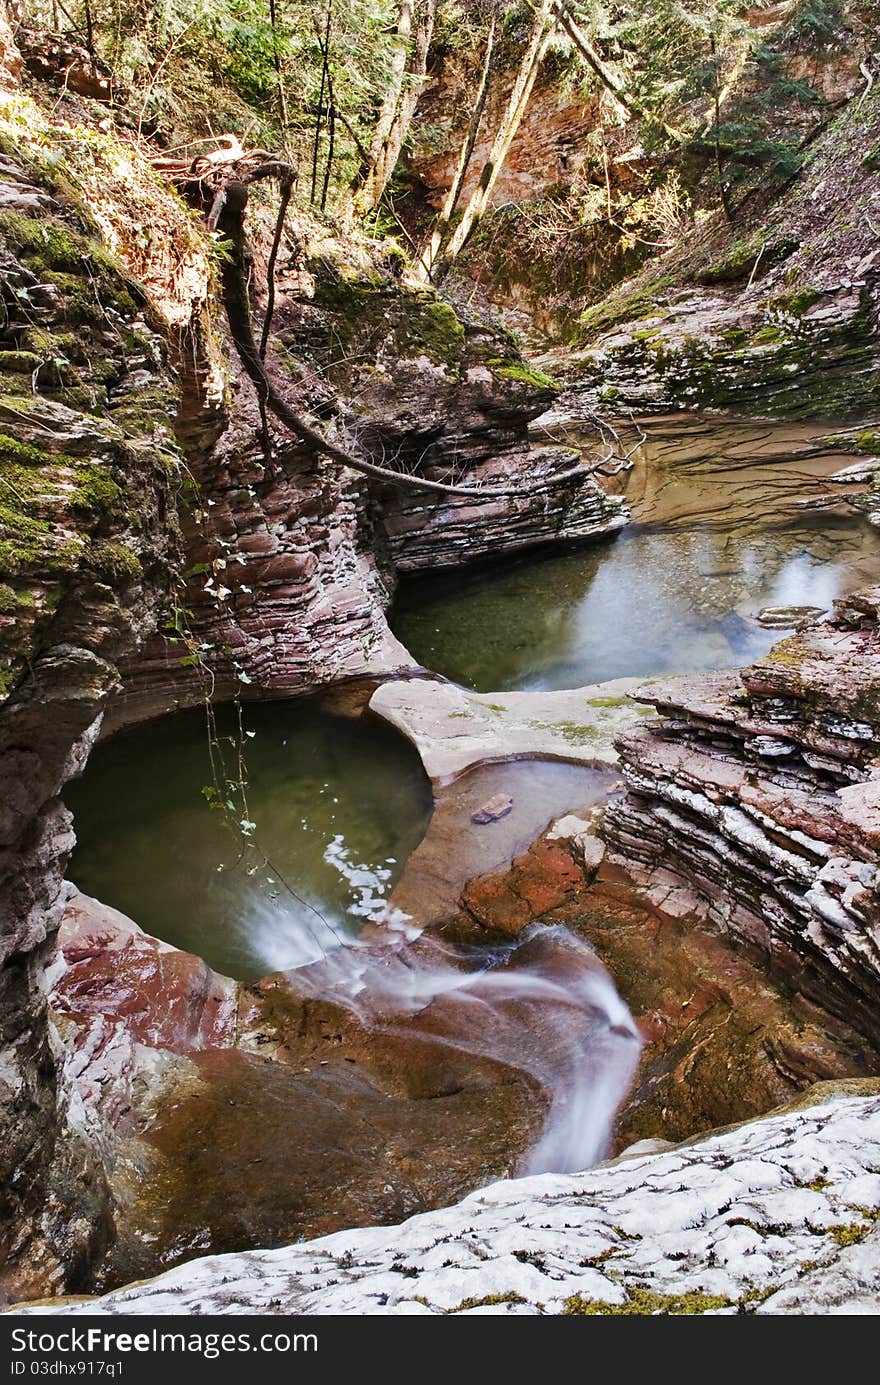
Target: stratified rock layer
(761,791)
(778,1216)
(292,558)
(777,316)
(87,542)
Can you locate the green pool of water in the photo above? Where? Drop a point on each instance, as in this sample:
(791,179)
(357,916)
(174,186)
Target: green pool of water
(338,802)
(719,531)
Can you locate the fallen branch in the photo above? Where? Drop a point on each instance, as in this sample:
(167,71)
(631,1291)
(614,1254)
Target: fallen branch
(869,82)
(229,186)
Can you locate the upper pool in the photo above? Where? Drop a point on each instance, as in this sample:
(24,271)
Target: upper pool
(721,529)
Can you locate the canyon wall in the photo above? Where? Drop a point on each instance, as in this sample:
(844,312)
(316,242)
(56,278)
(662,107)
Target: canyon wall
(88,543)
(291,559)
(755,798)
(777,315)
(592,190)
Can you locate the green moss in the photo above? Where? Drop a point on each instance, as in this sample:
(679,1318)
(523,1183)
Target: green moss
(90,279)
(606,701)
(21,453)
(34,547)
(790,652)
(46,344)
(368,310)
(644,1302)
(526,375)
(766,335)
(795,304)
(757,254)
(438,328)
(34,486)
(568,730)
(19,362)
(486,1301)
(850,1234)
(87,300)
(623,306)
(116,562)
(96,491)
(43,238)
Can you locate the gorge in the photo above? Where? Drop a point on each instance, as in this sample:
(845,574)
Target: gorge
(498,859)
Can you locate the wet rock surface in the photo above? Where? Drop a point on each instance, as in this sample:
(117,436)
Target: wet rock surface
(721,1041)
(778,1216)
(236,1115)
(454,730)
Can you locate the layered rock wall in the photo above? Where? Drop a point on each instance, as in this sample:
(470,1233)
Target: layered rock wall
(291,558)
(87,544)
(760,791)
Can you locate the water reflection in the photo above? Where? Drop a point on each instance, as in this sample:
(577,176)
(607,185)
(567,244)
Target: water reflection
(720,531)
(339,806)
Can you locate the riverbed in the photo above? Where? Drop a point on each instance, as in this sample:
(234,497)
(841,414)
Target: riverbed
(339,830)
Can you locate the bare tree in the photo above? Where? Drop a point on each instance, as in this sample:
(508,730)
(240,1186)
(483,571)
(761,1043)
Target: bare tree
(539,40)
(601,69)
(431,251)
(415,26)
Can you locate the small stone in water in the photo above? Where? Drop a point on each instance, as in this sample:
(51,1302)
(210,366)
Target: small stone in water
(497,807)
(782,617)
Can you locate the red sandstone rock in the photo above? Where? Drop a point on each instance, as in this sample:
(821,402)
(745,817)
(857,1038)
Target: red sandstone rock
(537,882)
(164,998)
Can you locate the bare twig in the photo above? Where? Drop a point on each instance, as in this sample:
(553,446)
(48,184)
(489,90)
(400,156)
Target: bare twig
(287,187)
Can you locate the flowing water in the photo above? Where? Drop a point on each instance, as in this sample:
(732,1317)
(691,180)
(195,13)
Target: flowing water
(542,1004)
(340,803)
(720,531)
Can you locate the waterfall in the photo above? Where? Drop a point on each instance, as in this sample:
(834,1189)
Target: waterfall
(541,1004)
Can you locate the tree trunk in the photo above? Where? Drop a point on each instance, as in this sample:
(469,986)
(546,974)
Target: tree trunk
(428,257)
(542,32)
(279,74)
(608,78)
(415,26)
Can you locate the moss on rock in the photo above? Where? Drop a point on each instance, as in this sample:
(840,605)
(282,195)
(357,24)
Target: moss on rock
(116,562)
(647,1303)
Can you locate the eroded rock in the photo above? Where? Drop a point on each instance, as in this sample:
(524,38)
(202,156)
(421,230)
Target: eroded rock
(759,791)
(454,730)
(747,1221)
